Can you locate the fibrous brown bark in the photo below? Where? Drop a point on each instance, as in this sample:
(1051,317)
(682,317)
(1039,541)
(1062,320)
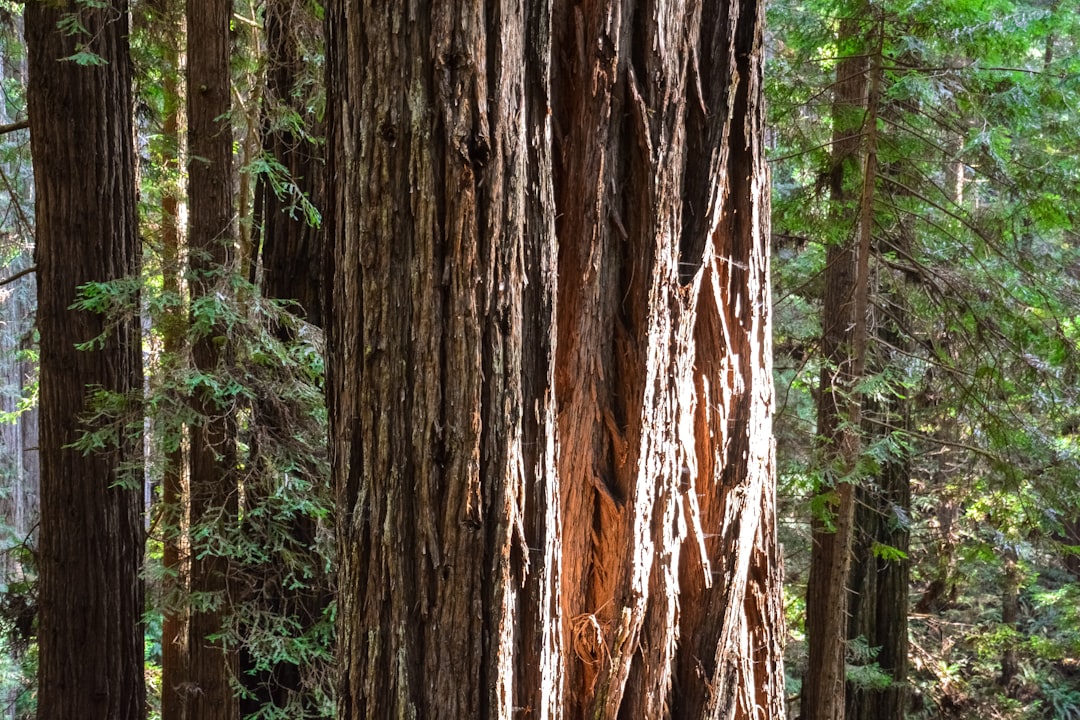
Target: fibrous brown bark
(90,594)
(662,376)
(441,307)
(213,490)
(549,361)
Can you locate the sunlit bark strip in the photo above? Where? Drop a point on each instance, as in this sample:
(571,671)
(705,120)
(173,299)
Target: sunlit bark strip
(174,499)
(663,375)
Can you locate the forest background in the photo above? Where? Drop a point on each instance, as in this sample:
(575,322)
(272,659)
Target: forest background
(931,150)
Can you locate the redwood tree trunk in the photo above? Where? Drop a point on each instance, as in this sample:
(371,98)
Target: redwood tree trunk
(211,236)
(879,584)
(549,361)
(844,353)
(174,492)
(91,536)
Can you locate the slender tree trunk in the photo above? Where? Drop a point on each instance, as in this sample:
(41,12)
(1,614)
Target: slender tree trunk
(880,577)
(1010,615)
(879,582)
(211,236)
(175,674)
(90,637)
(549,361)
(844,351)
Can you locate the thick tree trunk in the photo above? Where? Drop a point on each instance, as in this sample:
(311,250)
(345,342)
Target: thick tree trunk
(550,363)
(211,236)
(663,363)
(90,595)
(440,361)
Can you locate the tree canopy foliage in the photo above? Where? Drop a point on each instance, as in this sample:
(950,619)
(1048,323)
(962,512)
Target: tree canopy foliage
(974,302)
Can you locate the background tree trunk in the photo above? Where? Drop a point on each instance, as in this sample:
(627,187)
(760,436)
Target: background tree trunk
(292,248)
(541,560)
(175,679)
(1010,615)
(292,239)
(879,582)
(91,535)
(211,236)
(843,349)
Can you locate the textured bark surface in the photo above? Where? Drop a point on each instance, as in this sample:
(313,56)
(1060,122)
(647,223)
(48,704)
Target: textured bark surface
(211,236)
(442,422)
(663,373)
(90,592)
(549,361)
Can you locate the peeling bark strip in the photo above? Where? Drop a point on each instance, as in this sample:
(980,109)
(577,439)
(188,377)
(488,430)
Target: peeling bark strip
(549,370)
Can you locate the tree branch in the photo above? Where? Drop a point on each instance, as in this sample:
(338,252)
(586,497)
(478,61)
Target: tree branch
(16,276)
(12,127)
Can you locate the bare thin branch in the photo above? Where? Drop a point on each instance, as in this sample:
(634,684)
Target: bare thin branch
(12,127)
(16,276)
